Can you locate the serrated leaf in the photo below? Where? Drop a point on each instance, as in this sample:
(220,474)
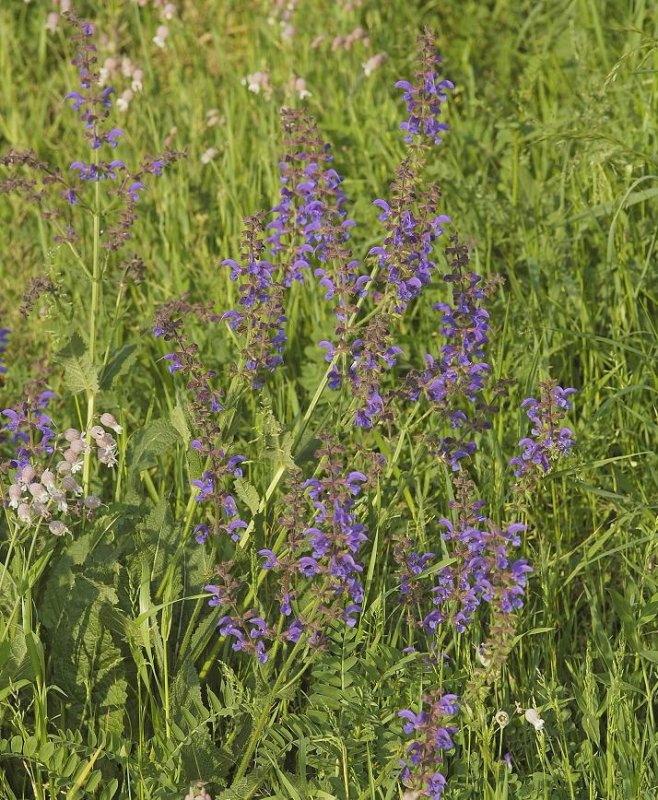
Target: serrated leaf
(248,494)
(149,442)
(80,374)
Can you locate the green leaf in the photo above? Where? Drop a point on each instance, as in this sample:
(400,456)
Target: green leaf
(247,493)
(118,363)
(149,442)
(80,374)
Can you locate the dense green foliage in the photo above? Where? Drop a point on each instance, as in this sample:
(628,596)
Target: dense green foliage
(114,681)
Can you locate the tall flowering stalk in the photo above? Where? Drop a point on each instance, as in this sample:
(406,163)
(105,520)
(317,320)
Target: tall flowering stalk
(404,261)
(549,439)
(453,380)
(206,411)
(79,187)
(432,737)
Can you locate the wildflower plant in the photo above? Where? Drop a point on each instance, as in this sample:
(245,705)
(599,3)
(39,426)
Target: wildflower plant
(260,552)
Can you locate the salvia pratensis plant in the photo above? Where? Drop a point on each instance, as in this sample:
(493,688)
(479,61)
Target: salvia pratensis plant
(294,561)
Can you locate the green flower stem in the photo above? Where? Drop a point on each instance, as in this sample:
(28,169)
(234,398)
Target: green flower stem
(94,312)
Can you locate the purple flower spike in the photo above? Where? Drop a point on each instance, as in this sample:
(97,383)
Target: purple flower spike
(549,440)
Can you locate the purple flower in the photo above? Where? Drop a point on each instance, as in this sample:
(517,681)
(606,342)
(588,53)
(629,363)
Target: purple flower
(425,96)
(549,440)
(432,737)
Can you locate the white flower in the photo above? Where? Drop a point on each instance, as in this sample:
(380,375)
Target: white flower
(502,718)
(63,468)
(169,11)
(374,63)
(58,528)
(109,422)
(48,479)
(15,494)
(71,485)
(71,434)
(137,83)
(38,492)
(161,34)
(480,653)
(124,101)
(24,513)
(532,716)
(107,456)
(257,82)
(298,85)
(208,155)
(27,474)
(52,21)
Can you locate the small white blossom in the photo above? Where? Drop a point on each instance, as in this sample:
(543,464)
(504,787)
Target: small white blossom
(257,82)
(92,502)
(502,718)
(78,446)
(38,492)
(532,716)
(48,479)
(63,468)
(71,485)
(298,85)
(52,21)
(124,100)
(27,474)
(41,509)
(137,80)
(96,432)
(169,11)
(15,494)
(58,528)
(71,434)
(161,34)
(60,498)
(107,456)
(374,63)
(208,155)
(110,422)
(24,513)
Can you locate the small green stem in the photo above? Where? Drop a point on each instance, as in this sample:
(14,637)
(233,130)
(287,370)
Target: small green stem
(94,311)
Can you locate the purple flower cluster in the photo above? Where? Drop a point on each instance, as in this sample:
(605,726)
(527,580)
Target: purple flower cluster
(206,416)
(549,439)
(405,258)
(413,223)
(309,226)
(261,318)
(484,570)
(310,215)
(432,738)
(248,629)
(325,553)
(92,101)
(454,379)
(30,428)
(425,97)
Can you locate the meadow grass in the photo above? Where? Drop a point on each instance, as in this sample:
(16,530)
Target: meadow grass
(113,679)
